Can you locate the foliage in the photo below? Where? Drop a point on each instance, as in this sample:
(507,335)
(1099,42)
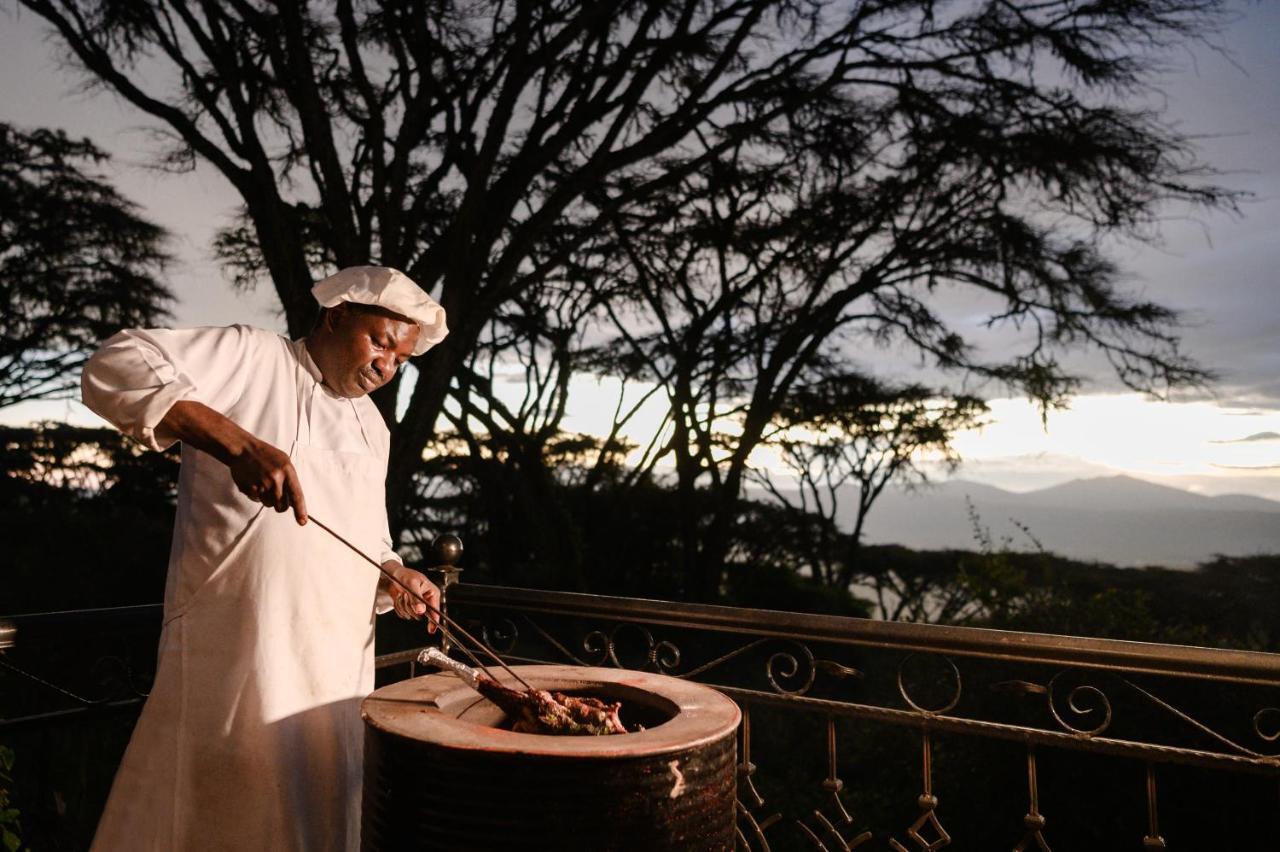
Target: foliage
(624,538)
(100,508)
(719,200)
(1227,602)
(77,262)
(10,818)
(768,586)
(586,528)
(88,506)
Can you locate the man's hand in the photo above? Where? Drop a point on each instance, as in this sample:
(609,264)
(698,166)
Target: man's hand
(407,606)
(263,473)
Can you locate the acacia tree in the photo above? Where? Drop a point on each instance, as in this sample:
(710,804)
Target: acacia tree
(77,262)
(483,146)
(515,442)
(946,164)
(850,433)
(448,139)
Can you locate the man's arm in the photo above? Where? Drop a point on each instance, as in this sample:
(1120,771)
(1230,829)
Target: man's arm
(262,472)
(135,377)
(162,385)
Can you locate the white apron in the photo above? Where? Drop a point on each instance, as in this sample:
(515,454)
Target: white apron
(251,738)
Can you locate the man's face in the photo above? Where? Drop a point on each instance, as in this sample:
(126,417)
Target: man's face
(362,348)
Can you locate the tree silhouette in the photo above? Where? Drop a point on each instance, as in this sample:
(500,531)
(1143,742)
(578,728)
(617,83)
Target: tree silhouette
(91,501)
(77,263)
(847,433)
(898,150)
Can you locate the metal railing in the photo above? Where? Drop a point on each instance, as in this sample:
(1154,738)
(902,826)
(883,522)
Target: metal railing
(1123,710)
(1053,729)
(63,666)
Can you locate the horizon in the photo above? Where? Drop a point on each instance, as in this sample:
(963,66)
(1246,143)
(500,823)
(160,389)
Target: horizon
(961,480)
(1121,521)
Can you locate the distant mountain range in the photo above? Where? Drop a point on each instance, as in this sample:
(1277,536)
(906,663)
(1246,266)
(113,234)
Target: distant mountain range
(1115,519)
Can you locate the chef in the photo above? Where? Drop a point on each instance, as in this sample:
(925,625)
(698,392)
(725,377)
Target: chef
(251,737)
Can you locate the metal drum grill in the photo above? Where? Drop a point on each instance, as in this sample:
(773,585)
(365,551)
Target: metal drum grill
(441,773)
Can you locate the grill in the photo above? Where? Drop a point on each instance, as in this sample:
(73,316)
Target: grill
(442,773)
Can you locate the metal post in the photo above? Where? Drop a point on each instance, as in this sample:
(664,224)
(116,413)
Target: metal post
(446,550)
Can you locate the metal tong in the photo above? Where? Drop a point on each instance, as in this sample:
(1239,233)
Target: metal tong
(448,627)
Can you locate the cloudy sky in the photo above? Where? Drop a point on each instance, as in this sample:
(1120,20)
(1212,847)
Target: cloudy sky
(1220,270)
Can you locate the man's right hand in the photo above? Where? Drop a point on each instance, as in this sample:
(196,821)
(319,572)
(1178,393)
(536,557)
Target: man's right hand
(263,473)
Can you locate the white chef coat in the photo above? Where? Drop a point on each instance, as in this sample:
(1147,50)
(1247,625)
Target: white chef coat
(251,736)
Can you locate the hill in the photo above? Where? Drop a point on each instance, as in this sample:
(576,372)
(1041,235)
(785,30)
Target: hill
(1116,519)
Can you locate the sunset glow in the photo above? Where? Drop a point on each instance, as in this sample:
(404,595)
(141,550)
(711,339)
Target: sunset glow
(1134,435)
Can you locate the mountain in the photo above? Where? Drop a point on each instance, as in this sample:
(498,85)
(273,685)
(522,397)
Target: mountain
(1126,492)
(1116,519)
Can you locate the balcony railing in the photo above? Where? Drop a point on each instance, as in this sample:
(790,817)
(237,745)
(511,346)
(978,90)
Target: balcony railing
(870,734)
(1125,714)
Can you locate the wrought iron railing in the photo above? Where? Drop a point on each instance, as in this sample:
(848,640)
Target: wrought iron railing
(58,667)
(857,734)
(1125,714)
(71,686)
(62,666)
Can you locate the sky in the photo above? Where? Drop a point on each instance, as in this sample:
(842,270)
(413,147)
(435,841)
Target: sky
(1220,270)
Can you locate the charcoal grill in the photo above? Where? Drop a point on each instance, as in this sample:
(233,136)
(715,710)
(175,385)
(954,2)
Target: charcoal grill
(443,773)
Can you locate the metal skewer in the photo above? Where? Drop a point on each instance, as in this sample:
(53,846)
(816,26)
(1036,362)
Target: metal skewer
(451,632)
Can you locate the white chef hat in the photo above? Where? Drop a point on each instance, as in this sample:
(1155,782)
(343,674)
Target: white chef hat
(390,289)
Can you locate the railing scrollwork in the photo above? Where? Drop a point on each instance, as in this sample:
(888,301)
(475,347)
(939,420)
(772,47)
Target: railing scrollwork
(1272,713)
(952,673)
(1083,701)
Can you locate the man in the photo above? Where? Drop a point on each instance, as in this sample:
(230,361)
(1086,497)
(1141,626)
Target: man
(251,738)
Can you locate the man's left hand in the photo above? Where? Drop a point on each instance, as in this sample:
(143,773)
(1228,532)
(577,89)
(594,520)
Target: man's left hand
(409,607)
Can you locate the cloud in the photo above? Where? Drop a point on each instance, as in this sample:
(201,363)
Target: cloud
(1257,436)
(1247,466)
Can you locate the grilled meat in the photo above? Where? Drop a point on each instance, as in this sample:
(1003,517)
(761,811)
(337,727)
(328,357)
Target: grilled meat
(537,711)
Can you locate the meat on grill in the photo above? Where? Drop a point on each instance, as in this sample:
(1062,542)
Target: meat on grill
(537,711)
